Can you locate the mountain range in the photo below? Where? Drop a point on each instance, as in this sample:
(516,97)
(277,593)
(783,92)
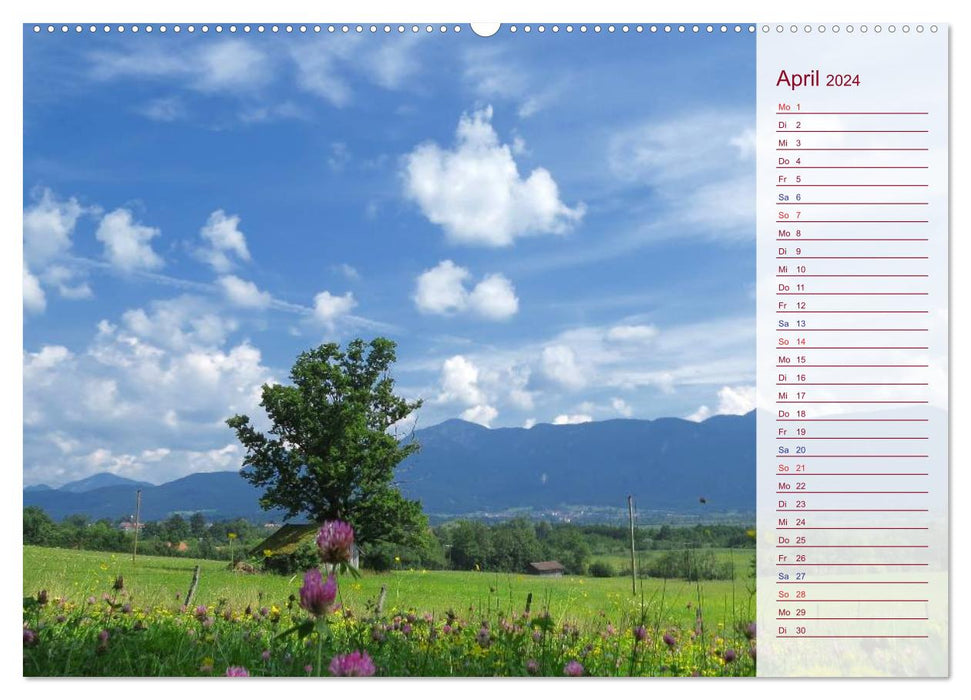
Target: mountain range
(669,464)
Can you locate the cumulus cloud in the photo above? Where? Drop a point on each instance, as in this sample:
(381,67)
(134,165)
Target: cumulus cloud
(475,192)
(442,290)
(224,242)
(48,226)
(68,281)
(460,382)
(483,415)
(560,364)
(494,298)
(244,293)
(703,413)
(622,407)
(35,301)
(177,324)
(572,419)
(37,365)
(127,244)
(147,395)
(733,401)
(737,400)
(529,423)
(328,308)
(613,370)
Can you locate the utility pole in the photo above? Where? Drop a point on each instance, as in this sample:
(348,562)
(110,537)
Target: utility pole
(633,563)
(138,507)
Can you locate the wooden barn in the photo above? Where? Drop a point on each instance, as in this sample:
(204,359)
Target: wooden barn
(546,568)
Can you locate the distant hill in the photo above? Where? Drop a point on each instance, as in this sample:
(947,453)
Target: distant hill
(100,481)
(220,495)
(668,464)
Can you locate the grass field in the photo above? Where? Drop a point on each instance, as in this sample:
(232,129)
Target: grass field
(704,618)
(163,581)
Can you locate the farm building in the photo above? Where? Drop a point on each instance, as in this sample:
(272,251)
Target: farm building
(282,544)
(546,568)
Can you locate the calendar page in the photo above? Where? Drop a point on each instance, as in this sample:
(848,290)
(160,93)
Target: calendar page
(440,349)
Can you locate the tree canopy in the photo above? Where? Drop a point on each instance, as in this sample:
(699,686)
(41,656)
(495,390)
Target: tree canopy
(329,453)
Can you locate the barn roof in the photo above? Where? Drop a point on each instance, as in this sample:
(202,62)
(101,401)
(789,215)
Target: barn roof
(547,566)
(286,539)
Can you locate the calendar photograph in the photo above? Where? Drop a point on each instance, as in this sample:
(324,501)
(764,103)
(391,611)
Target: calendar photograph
(449,350)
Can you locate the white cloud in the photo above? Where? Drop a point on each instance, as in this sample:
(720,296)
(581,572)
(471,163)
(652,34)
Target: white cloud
(325,65)
(520,398)
(328,308)
(494,298)
(244,293)
(572,419)
(230,65)
(702,157)
(37,365)
(733,401)
(48,226)
(636,334)
(460,382)
(177,324)
(34,299)
(483,415)
(703,413)
(560,364)
(492,74)
(475,192)
(622,407)
(127,243)
(349,271)
(318,72)
(391,64)
(146,397)
(441,289)
(529,423)
(691,361)
(65,279)
(225,241)
(737,400)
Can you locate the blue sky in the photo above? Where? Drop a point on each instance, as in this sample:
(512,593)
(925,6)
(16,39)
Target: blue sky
(554,228)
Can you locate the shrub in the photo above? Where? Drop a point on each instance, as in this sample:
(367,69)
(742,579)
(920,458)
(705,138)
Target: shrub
(688,564)
(378,558)
(602,569)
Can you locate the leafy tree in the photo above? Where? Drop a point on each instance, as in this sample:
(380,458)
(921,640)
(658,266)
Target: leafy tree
(176,528)
(471,544)
(197,524)
(514,545)
(567,545)
(329,453)
(38,527)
